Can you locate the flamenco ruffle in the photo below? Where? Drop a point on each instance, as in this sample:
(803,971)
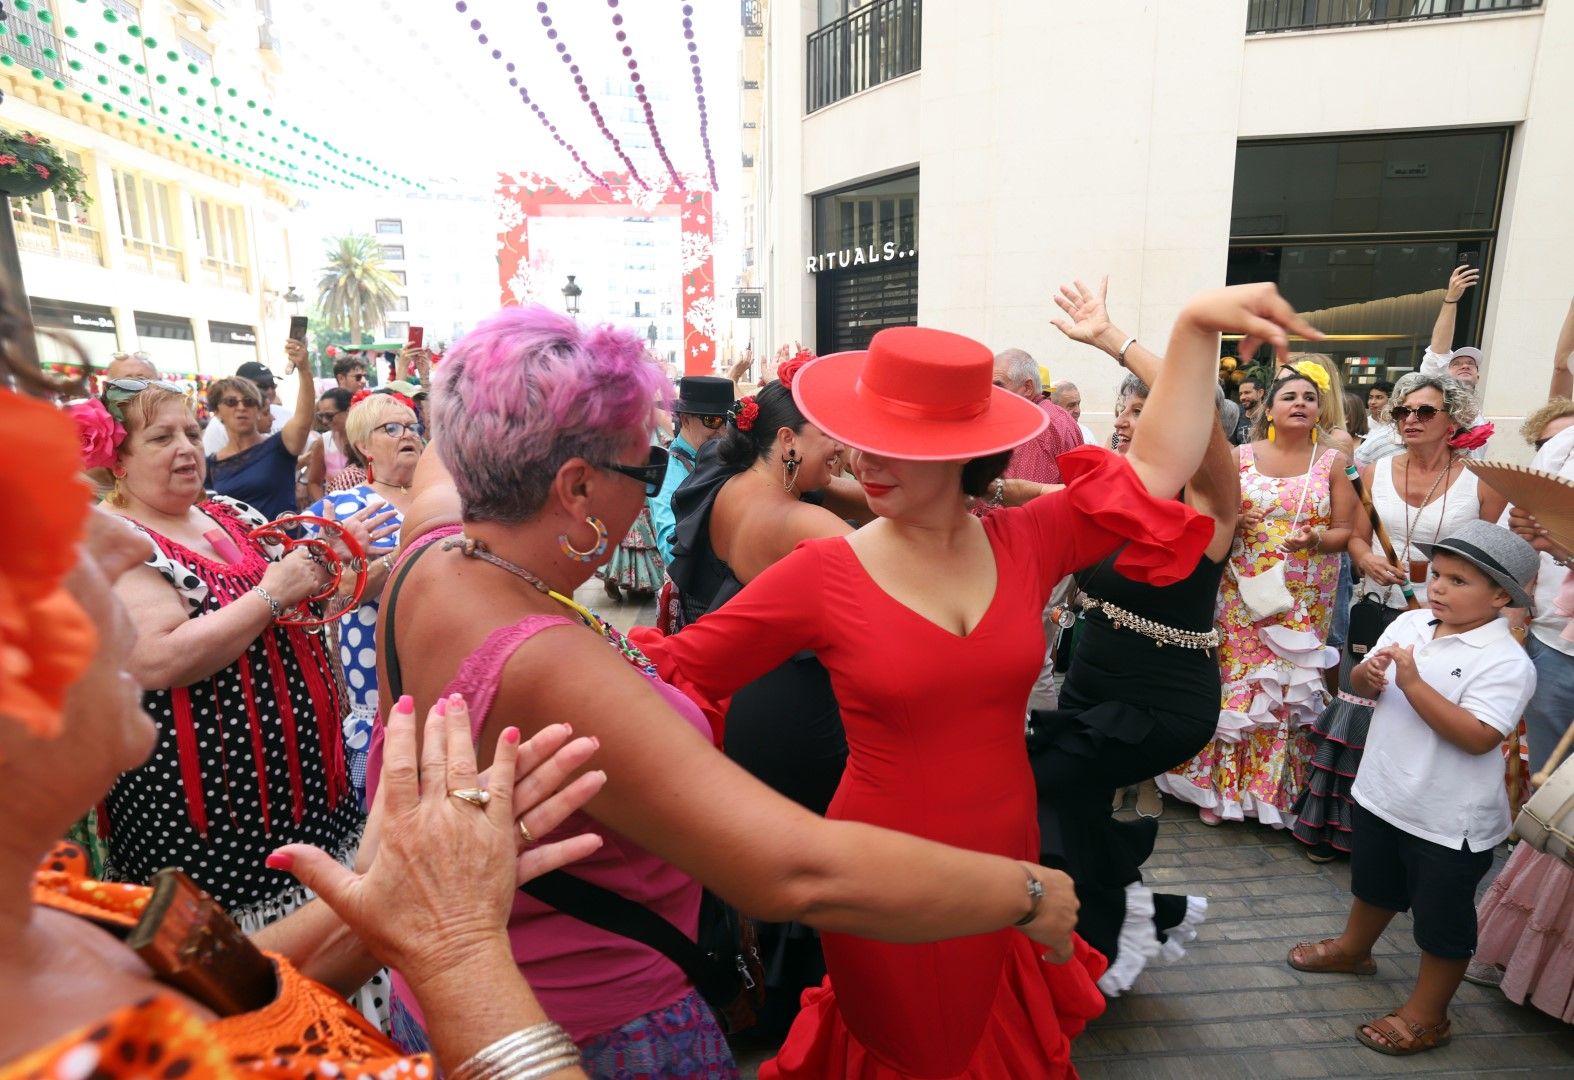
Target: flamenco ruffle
(1324,810)
(1247,806)
(1291,681)
(1039,1008)
(1527,928)
(1167,537)
(1139,942)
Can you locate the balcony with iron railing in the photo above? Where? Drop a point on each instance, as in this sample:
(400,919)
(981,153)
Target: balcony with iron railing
(1278,16)
(866,47)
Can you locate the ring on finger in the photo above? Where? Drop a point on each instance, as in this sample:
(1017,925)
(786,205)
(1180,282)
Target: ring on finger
(473,796)
(524,831)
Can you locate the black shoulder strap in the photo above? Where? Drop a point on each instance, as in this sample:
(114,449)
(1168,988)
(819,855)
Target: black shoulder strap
(573,896)
(391,651)
(606,910)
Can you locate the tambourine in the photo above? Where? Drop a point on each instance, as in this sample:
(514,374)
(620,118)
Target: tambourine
(322,550)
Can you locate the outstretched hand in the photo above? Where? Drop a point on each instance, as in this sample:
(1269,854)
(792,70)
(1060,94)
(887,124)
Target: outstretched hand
(442,881)
(1256,311)
(1088,311)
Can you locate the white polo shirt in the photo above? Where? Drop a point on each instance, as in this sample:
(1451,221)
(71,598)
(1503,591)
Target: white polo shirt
(1413,778)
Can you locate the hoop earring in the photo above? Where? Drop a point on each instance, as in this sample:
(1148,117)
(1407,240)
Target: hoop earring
(789,470)
(595,551)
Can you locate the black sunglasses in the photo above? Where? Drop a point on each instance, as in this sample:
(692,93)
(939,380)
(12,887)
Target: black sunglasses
(710,423)
(1423,413)
(651,474)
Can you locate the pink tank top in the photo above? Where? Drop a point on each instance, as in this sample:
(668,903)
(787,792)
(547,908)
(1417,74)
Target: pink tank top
(588,980)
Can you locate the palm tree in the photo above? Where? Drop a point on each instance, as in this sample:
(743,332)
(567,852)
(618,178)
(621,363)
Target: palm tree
(355,290)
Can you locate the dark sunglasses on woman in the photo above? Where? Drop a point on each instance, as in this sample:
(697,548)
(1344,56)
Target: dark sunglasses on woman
(1423,413)
(650,474)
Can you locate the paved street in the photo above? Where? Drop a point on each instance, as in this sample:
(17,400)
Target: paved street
(1233,1008)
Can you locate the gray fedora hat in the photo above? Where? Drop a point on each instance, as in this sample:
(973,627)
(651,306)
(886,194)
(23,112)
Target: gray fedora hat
(1505,558)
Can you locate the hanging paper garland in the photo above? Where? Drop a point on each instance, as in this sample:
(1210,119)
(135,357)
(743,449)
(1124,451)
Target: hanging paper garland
(699,89)
(524,96)
(640,95)
(584,91)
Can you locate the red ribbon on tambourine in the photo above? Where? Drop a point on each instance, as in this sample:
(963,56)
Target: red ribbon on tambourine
(322,549)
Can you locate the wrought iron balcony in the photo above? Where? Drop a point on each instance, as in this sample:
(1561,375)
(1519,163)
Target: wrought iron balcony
(864,48)
(1277,16)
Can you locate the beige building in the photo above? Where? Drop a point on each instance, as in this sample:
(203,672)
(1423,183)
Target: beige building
(951,163)
(182,254)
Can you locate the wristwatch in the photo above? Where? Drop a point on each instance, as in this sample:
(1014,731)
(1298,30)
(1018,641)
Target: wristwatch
(1063,616)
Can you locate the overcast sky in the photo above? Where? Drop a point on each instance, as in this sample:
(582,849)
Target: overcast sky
(406,83)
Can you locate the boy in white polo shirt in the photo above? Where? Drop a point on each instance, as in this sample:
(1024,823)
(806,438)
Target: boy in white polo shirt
(1450,684)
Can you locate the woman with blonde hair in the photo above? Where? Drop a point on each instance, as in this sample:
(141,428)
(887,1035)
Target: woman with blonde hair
(381,428)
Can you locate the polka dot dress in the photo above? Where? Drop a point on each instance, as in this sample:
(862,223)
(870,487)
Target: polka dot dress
(358,639)
(247,759)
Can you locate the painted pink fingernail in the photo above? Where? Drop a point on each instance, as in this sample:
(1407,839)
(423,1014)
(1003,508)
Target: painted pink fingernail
(279,860)
(441,708)
(456,701)
(511,735)
(595,742)
(406,704)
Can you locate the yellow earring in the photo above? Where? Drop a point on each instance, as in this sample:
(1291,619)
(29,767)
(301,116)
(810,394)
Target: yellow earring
(1272,435)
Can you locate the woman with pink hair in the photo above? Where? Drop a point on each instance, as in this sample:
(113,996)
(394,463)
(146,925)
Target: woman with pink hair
(542,430)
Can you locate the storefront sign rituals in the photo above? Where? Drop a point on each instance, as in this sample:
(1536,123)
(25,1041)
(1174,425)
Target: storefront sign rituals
(860,256)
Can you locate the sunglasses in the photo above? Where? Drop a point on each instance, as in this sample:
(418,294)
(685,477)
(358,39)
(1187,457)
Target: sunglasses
(237,402)
(136,386)
(1423,413)
(710,423)
(651,474)
(395,430)
(326,417)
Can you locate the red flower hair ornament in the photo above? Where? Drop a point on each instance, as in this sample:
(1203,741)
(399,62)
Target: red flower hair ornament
(1472,438)
(744,412)
(788,371)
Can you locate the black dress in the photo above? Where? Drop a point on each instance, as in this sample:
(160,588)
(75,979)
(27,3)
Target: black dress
(784,728)
(1130,709)
(247,760)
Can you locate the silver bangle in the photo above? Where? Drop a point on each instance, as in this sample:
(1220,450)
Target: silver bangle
(527,1054)
(1120,357)
(997,493)
(278,612)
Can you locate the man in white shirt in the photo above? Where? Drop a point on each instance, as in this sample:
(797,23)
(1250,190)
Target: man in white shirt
(1068,397)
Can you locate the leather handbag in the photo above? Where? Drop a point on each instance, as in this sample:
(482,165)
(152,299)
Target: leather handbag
(1546,821)
(1369,617)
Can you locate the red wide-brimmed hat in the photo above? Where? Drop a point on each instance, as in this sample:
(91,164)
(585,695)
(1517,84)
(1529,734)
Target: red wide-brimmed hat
(923,395)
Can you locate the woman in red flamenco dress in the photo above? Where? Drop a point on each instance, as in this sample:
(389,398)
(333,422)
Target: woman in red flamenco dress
(930,624)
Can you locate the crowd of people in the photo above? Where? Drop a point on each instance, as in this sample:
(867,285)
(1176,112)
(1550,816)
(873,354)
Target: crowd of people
(854,794)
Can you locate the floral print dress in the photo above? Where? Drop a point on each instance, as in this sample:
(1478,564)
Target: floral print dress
(1271,669)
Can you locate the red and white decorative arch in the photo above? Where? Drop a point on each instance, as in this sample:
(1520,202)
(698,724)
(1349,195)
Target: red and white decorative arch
(522,196)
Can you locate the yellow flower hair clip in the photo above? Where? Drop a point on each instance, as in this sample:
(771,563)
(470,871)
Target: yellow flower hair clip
(1315,374)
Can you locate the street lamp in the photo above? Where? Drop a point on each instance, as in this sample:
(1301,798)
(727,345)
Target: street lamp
(651,333)
(571,294)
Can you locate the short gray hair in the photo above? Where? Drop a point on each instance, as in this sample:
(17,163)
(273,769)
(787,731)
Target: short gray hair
(1020,367)
(1131,386)
(1062,386)
(1458,401)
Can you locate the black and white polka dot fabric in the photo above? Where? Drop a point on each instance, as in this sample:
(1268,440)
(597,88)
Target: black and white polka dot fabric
(247,760)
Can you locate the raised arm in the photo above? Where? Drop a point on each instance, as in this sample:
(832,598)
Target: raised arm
(1461,279)
(298,428)
(1169,444)
(1215,488)
(1563,357)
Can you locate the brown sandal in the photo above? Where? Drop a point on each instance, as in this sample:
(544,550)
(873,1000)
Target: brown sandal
(1397,1037)
(1321,958)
